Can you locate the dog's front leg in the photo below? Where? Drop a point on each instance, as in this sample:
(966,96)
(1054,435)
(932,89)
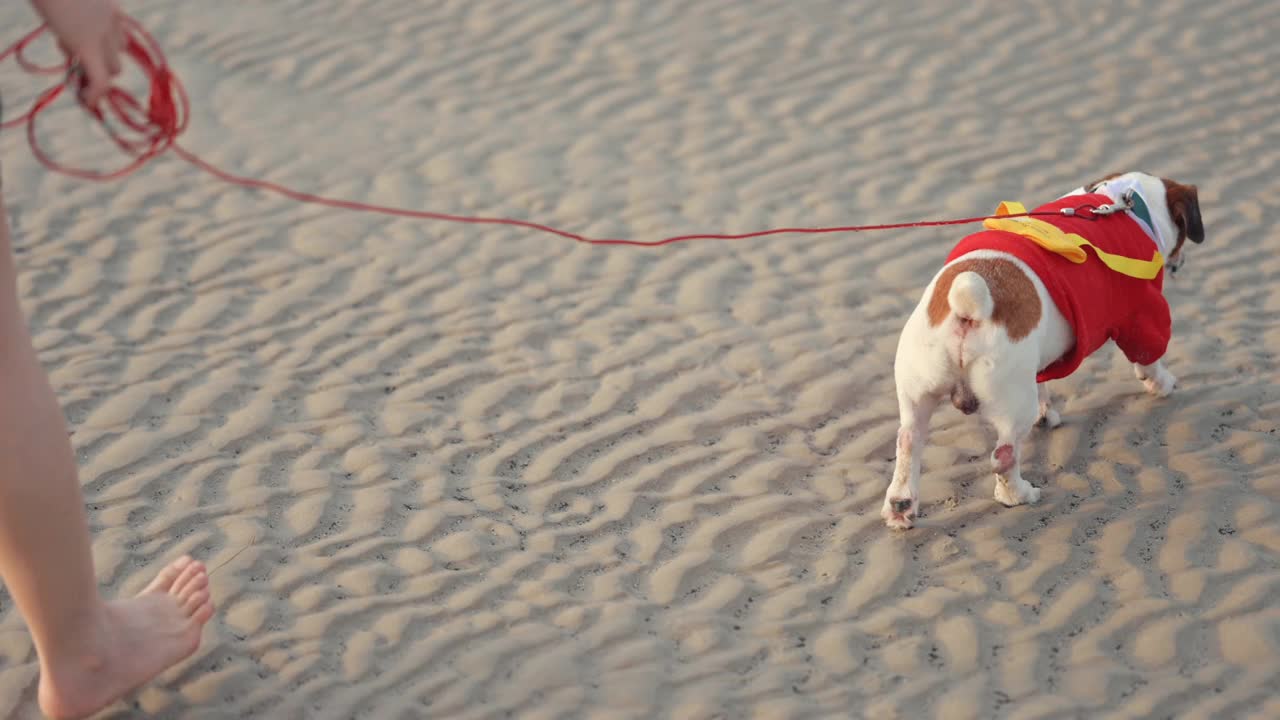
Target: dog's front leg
(1156,378)
(902,498)
(1049,418)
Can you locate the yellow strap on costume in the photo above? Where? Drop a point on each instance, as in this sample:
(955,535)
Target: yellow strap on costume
(1069,245)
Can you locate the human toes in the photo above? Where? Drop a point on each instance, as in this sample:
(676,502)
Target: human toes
(195,601)
(168,575)
(193,578)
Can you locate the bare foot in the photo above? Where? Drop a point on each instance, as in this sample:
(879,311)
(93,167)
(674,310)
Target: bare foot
(136,640)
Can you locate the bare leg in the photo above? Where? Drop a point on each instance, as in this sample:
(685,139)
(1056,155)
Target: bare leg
(1155,378)
(91,651)
(1049,417)
(902,497)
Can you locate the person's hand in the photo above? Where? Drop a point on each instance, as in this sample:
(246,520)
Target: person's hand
(91,33)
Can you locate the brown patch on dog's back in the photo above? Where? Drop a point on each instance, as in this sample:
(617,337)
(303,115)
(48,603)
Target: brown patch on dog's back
(1017,305)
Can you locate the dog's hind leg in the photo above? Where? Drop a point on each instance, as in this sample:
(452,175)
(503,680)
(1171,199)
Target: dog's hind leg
(1010,401)
(902,497)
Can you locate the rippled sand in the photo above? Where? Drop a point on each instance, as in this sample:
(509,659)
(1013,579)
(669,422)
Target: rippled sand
(452,471)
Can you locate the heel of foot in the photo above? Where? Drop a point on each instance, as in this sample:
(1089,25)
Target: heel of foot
(139,638)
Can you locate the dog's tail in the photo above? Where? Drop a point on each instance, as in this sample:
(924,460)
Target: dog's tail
(971,302)
(970,298)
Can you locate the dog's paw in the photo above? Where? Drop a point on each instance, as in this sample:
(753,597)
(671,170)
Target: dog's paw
(1031,494)
(1014,494)
(1156,379)
(1162,385)
(898,513)
(1049,419)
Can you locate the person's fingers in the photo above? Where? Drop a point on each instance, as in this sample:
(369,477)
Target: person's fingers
(112,49)
(119,34)
(98,77)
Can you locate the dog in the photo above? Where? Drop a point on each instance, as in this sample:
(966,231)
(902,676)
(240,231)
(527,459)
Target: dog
(1023,302)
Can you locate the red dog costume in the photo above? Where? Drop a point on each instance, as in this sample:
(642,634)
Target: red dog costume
(1099,302)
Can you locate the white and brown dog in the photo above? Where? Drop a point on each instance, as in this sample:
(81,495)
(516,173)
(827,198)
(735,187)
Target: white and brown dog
(1023,302)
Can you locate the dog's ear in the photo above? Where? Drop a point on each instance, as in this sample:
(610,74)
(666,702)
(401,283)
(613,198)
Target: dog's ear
(1184,207)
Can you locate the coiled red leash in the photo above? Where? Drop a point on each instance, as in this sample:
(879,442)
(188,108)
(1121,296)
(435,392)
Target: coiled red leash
(157,125)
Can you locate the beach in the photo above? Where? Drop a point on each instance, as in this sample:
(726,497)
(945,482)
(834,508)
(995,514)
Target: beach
(445,470)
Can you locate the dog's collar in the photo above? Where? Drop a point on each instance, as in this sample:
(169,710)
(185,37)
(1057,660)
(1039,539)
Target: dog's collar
(1128,191)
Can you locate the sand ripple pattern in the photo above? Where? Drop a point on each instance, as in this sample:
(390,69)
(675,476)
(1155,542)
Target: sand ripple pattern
(464,472)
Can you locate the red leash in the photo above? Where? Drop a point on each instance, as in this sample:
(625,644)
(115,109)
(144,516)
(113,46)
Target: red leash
(156,128)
